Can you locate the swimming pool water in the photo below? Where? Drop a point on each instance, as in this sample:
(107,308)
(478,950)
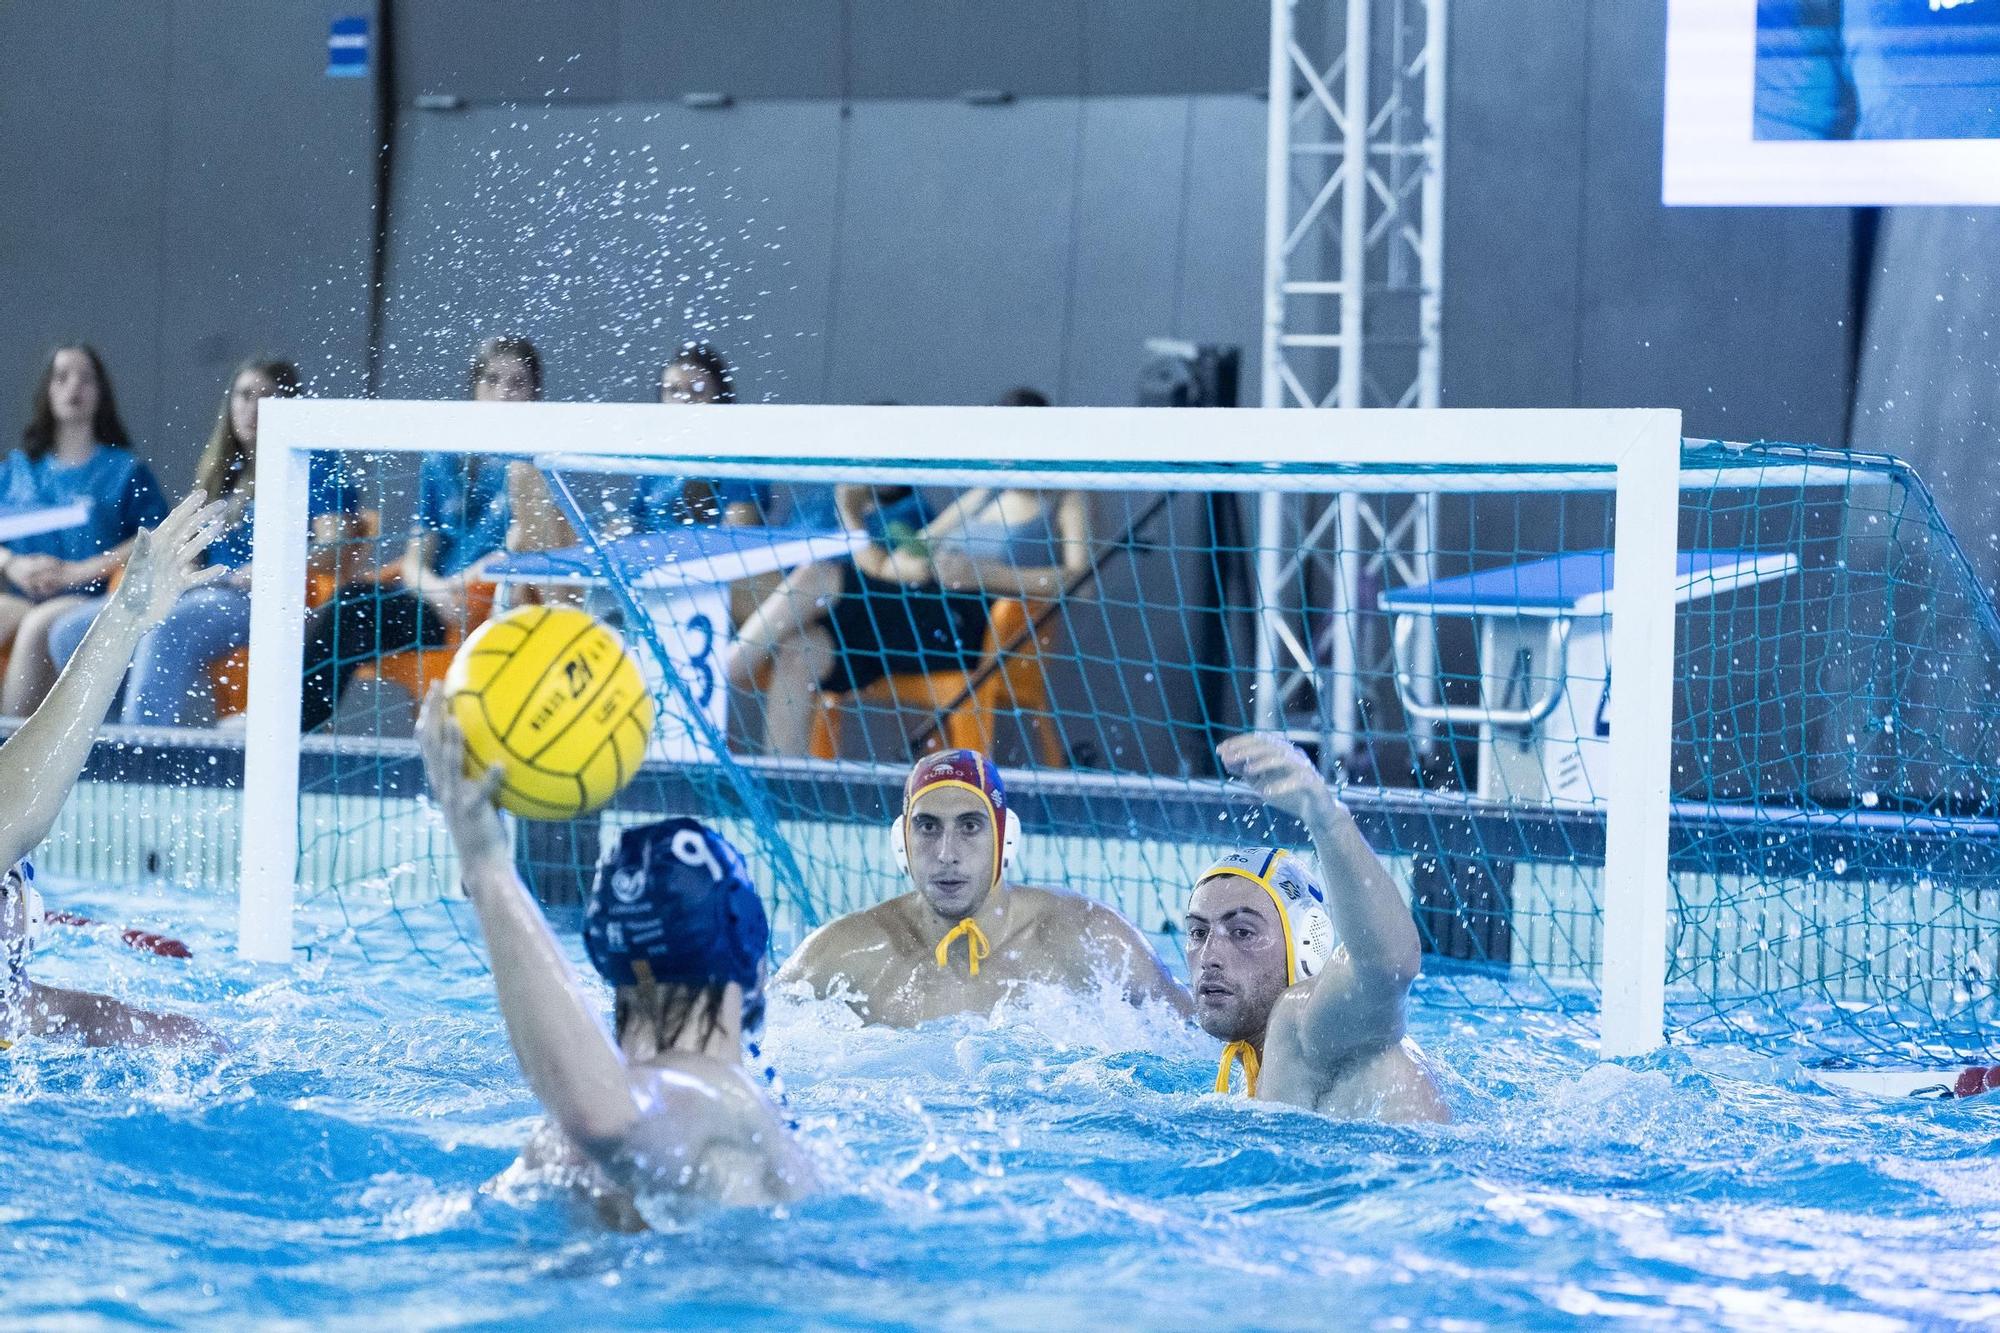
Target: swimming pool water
(1060,1166)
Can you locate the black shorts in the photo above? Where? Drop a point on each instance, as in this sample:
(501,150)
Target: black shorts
(894,629)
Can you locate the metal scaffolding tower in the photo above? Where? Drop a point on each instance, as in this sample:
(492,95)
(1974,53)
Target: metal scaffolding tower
(1353,272)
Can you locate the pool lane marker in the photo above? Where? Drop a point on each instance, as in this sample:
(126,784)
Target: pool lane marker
(143,940)
(1948,1084)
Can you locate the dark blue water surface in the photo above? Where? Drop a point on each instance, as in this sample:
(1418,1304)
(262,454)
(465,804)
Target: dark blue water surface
(1061,1165)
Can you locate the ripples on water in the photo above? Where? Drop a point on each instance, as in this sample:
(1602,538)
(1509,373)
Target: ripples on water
(1055,1166)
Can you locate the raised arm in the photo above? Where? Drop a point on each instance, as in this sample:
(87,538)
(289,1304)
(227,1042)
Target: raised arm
(570,1062)
(40,762)
(1358,1000)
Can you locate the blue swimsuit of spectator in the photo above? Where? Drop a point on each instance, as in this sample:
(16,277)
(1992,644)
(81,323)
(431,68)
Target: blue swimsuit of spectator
(662,502)
(169,685)
(122,493)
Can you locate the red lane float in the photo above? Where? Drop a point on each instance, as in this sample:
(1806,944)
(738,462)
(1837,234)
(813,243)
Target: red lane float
(143,940)
(1979,1078)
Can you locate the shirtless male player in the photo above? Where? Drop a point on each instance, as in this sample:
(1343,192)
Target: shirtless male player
(40,763)
(1314,1023)
(661,1107)
(964,938)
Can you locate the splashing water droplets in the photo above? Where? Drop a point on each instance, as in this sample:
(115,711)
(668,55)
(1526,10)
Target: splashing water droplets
(568,230)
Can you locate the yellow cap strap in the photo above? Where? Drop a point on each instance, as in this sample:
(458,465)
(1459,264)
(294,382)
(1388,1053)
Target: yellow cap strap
(1234,1051)
(6,1045)
(976,946)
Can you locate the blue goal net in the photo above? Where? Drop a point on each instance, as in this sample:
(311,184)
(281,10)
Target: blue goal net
(807,631)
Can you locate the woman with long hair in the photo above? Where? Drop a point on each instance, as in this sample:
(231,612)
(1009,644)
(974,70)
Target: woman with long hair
(74,447)
(461,527)
(169,685)
(699,374)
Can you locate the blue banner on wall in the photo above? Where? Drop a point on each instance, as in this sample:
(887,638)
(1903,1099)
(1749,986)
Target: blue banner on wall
(347,48)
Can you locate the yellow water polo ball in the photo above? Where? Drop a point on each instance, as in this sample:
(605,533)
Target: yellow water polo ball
(552,696)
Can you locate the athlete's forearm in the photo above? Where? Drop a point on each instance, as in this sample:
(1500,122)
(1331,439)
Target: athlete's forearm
(40,762)
(1356,1004)
(99,1020)
(561,1044)
(1369,916)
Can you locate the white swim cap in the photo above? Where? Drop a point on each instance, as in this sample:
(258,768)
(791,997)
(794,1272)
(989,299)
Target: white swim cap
(21,879)
(1301,904)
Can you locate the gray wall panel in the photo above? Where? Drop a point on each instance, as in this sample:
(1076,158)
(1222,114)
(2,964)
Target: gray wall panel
(1568,283)
(267,211)
(939,48)
(1131,224)
(1220,297)
(83,164)
(610,236)
(1514,169)
(965,260)
(748,48)
(1174,46)
(1929,385)
(508,50)
(955,249)
(201,191)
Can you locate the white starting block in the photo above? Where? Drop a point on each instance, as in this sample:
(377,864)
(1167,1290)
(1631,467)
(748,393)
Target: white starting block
(681,578)
(1545,706)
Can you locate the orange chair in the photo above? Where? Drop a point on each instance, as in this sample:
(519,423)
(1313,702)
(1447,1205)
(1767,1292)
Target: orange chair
(229,675)
(1010,677)
(229,678)
(413,670)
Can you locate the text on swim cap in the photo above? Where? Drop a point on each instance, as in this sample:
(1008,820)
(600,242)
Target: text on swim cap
(691,849)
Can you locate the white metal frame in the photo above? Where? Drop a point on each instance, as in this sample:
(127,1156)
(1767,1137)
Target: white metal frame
(1354,211)
(1637,452)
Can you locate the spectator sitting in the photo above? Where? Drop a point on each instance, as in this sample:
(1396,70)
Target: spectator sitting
(74,447)
(461,527)
(812,504)
(169,684)
(697,374)
(914,600)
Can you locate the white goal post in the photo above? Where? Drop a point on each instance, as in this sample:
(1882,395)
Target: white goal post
(1635,453)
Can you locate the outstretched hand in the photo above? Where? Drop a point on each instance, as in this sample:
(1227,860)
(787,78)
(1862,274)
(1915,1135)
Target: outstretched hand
(466,802)
(166,561)
(1280,773)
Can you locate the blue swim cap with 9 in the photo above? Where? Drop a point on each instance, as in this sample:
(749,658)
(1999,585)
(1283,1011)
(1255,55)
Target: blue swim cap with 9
(674,900)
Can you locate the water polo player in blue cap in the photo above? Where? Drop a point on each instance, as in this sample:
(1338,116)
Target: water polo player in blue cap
(964,937)
(1307,986)
(662,1107)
